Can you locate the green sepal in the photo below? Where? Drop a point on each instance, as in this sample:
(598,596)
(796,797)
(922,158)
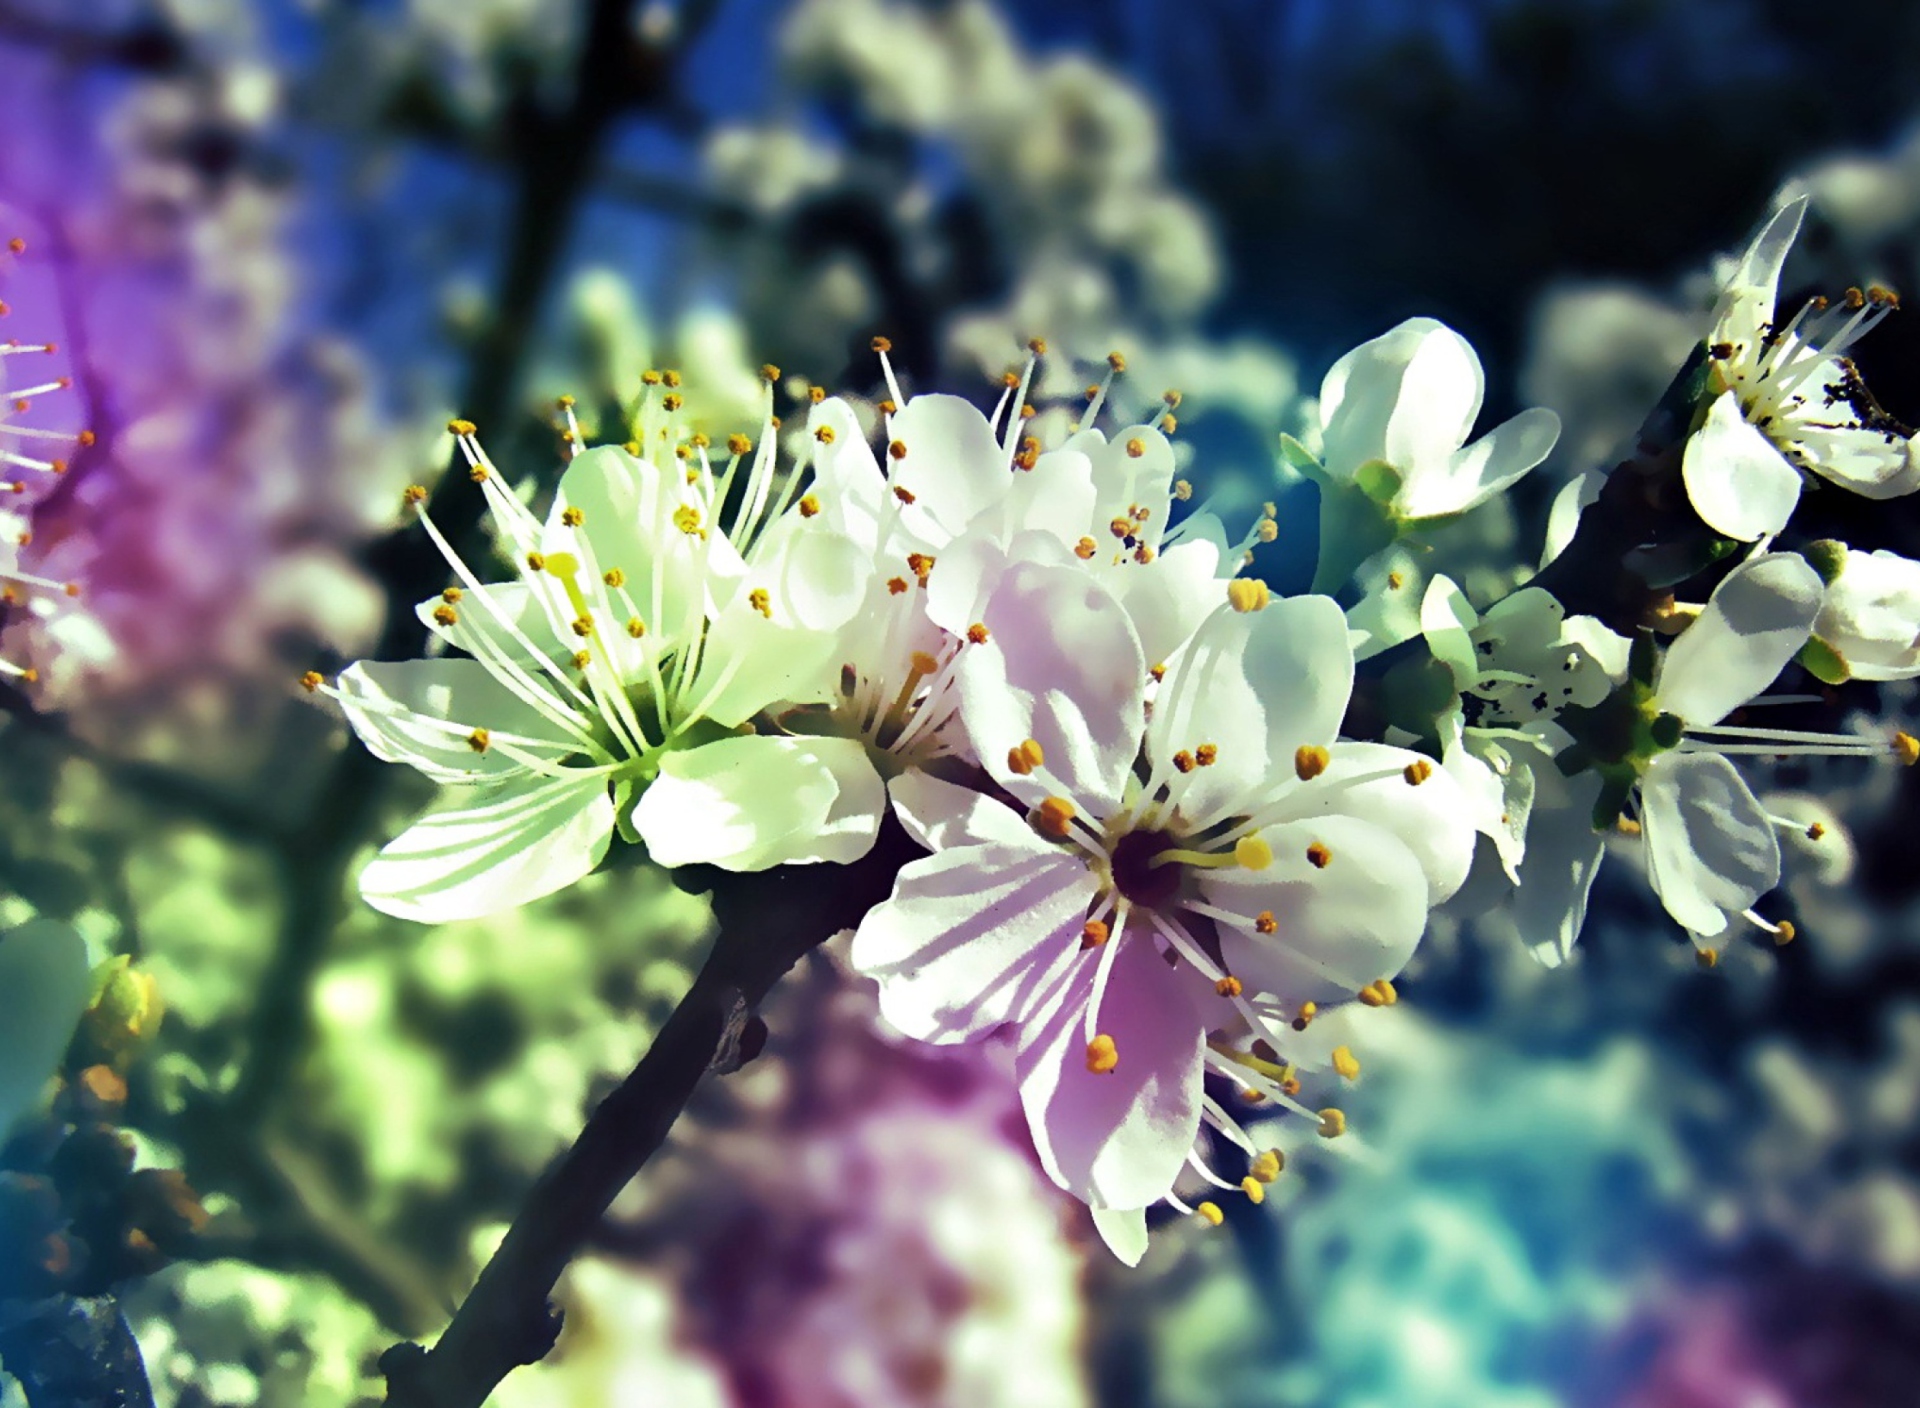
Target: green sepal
(1823,662)
(1828,557)
(1616,789)
(1352,529)
(626,796)
(1300,459)
(1643,658)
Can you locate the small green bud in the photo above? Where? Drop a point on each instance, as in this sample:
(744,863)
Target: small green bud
(1828,557)
(1379,481)
(1666,730)
(1823,662)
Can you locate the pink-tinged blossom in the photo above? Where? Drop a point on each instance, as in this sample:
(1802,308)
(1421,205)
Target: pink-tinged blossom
(1149,879)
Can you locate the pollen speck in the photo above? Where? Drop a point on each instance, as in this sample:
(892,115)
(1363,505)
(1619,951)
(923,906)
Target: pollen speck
(445,615)
(1228,986)
(1319,856)
(1309,761)
(978,633)
(1085,549)
(1102,1055)
(1417,772)
(1265,922)
(761,602)
(1093,933)
(572,517)
(479,740)
(896,585)
(312,680)
(824,434)
(809,505)
(1205,754)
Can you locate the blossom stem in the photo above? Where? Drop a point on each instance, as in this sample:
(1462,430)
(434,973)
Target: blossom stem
(767,922)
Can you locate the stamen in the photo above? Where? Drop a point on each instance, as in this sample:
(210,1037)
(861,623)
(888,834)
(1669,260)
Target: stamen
(1054,817)
(1102,1055)
(1333,1123)
(1309,761)
(1248,594)
(1345,1064)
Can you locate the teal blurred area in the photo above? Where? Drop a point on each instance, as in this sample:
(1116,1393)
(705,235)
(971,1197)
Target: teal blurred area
(279,244)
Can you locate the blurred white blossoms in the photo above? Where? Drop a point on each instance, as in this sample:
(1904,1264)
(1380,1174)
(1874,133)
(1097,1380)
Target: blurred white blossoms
(639,627)
(1395,414)
(1788,400)
(1213,864)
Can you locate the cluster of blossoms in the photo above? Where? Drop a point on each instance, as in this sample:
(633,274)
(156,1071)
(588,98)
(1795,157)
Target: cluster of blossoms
(1159,847)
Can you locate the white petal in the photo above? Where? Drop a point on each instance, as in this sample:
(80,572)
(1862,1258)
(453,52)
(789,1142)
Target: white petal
(1063,667)
(1126,481)
(1489,466)
(1120,1138)
(1124,1230)
(1748,304)
(762,800)
(1440,396)
(1447,620)
(1737,480)
(1360,399)
(1711,851)
(847,482)
(1563,857)
(1872,616)
(1754,623)
(1338,928)
(1563,518)
(1875,464)
(1169,597)
(953,466)
(1056,497)
(974,937)
(967,570)
(1369,781)
(940,814)
(44,986)
(1258,685)
(489,849)
(393,706)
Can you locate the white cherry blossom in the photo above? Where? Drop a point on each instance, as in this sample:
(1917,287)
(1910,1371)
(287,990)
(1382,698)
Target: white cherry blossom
(1788,400)
(1871,616)
(1141,879)
(613,682)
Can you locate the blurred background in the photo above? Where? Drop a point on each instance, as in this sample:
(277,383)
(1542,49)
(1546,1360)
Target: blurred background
(280,242)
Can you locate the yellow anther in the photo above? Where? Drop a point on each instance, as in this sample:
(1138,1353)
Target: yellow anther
(582,659)
(1269,1166)
(920,564)
(414,495)
(572,517)
(1157,672)
(1816,830)
(923,663)
(1265,923)
(632,447)
(1248,594)
(1266,530)
(1121,527)
(479,740)
(1209,1213)
(1395,581)
(896,585)
(1255,1190)
(1172,398)
(1290,1085)
(636,627)
(451,595)
(583,626)
(1085,549)
(739,445)
(649,377)
(769,372)
(1627,826)
(1028,411)
(1136,447)
(1094,933)
(1707,957)
(896,449)
(1143,554)
(1117,360)
(445,615)
(1784,933)
(687,519)
(761,602)
(312,680)
(461,427)
(1318,856)
(1169,424)
(1304,1017)
(1053,817)
(1906,748)
(672,402)
(1345,1064)
(1183,761)
(1206,754)
(563,403)
(1229,986)
(1333,1123)
(809,505)
(887,408)
(1253,853)
(1379,993)
(978,633)
(1417,772)
(1182,490)
(614,577)
(824,434)
(1309,761)
(670,377)
(1269,509)
(816,394)
(903,493)
(1102,1055)
(1024,759)
(700,440)
(881,344)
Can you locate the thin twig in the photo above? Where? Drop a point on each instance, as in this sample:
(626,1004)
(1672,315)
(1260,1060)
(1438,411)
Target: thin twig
(767,922)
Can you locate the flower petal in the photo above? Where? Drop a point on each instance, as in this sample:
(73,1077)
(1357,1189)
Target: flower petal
(974,937)
(1061,666)
(1361,397)
(1120,1138)
(1440,395)
(940,815)
(1563,856)
(1875,464)
(1124,1230)
(1169,598)
(953,464)
(1748,303)
(1711,850)
(762,800)
(44,986)
(1754,623)
(847,480)
(1489,466)
(423,712)
(1737,480)
(1338,927)
(489,849)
